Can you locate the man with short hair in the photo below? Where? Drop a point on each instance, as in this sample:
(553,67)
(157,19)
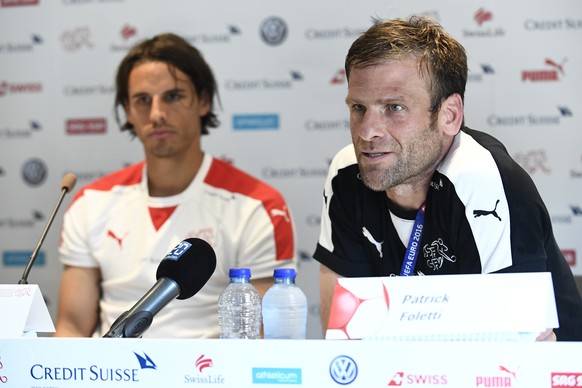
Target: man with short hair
(415,172)
(117,229)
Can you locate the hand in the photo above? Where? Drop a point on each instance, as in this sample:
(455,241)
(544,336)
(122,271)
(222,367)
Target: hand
(547,335)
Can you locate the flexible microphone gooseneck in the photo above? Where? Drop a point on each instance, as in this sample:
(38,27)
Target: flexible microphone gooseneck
(181,274)
(67,184)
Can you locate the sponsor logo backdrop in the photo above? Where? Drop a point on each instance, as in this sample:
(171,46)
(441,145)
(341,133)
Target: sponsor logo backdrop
(279,67)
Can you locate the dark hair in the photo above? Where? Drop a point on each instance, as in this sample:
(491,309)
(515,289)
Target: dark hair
(442,57)
(178,54)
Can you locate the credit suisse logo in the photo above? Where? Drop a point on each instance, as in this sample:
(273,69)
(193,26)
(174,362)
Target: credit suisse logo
(264,83)
(21,47)
(22,222)
(215,37)
(11,133)
(553,24)
(400,379)
(530,120)
(560,380)
(9,88)
(553,72)
(86,126)
(486,70)
(333,33)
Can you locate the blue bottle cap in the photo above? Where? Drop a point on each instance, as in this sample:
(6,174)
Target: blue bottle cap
(284,273)
(239,273)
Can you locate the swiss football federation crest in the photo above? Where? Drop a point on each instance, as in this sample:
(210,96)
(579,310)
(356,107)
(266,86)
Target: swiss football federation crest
(436,253)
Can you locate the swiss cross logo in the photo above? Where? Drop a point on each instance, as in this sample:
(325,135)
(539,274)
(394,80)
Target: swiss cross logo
(396,380)
(570,255)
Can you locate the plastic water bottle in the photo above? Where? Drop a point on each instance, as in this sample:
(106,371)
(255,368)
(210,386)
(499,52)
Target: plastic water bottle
(239,307)
(285,308)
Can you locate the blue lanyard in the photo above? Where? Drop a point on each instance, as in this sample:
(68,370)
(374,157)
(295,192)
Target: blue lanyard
(413,244)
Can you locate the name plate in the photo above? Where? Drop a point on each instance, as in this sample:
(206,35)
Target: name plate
(24,312)
(514,306)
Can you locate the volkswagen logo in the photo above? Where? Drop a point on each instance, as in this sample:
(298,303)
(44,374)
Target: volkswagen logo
(343,370)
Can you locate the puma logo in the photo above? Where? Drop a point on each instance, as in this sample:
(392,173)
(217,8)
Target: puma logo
(118,239)
(371,239)
(281,213)
(514,374)
(479,213)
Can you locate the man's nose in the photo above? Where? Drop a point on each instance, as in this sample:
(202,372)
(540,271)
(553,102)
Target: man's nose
(157,111)
(370,126)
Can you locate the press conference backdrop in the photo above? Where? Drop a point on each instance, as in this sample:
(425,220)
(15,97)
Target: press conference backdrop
(279,67)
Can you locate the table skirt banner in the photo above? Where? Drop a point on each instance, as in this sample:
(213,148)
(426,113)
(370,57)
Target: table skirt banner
(92,362)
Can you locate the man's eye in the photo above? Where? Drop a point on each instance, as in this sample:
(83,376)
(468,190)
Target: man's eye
(174,96)
(358,108)
(144,100)
(395,107)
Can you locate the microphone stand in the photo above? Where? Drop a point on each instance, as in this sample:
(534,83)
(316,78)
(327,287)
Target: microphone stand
(34,254)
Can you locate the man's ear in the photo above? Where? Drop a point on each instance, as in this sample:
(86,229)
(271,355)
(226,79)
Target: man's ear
(451,114)
(204,105)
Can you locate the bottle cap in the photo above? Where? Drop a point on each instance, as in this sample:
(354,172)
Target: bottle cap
(284,273)
(239,273)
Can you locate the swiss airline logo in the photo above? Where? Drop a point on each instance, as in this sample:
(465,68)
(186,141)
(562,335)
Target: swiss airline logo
(86,126)
(19,88)
(401,379)
(18,3)
(506,377)
(563,379)
(554,71)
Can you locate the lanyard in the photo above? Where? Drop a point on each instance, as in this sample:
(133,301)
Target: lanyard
(413,244)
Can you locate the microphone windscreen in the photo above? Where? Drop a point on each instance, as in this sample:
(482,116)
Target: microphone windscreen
(190,264)
(69,181)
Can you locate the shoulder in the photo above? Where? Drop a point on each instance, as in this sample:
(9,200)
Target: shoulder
(344,158)
(127,176)
(224,176)
(343,161)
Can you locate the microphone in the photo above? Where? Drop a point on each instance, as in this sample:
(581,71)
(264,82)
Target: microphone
(67,184)
(181,274)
